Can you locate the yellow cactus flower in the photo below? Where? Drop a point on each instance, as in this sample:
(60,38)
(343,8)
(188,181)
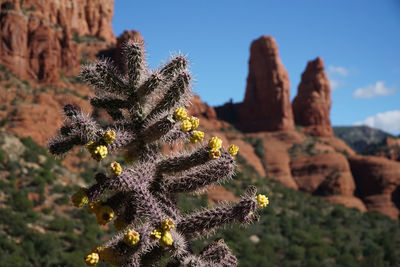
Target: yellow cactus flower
(104,215)
(194,121)
(92,259)
(214,153)
(186,126)
(115,168)
(120,224)
(156,234)
(94,206)
(167,224)
(79,199)
(215,143)
(233,150)
(99,152)
(109,136)
(166,239)
(196,136)
(180,114)
(131,237)
(262,201)
(91,146)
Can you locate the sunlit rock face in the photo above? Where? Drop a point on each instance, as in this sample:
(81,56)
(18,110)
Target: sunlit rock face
(266,106)
(311,106)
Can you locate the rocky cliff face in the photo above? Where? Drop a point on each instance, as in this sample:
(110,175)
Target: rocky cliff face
(266,106)
(377,183)
(311,106)
(39,38)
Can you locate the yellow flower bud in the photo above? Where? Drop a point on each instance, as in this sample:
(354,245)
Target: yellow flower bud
(131,237)
(104,215)
(167,224)
(109,136)
(156,234)
(80,198)
(194,121)
(180,114)
(166,239)
(92,259)
(262,201)
(215,143)
(214,153)
(233,150)
(196,136)
(115,168)
(186,126)
(99,152)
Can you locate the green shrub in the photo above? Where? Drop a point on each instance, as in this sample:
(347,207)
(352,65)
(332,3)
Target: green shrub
(19,201)
(61,224)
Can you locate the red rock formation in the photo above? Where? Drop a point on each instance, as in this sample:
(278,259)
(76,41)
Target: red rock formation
(200,109)
(218,193)
(377,183)
(41,119)
(391,141)
(323,174)
(347,201)
(36,36)
(276,156)
(266,106)
(391,149)
(311,106)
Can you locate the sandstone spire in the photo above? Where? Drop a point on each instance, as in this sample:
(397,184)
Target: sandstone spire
(311,106)
(266,106)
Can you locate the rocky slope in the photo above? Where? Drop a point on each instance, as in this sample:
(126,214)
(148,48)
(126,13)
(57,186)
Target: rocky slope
(39,39)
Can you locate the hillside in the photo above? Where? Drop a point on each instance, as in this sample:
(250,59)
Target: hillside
(368,141)
(38,219)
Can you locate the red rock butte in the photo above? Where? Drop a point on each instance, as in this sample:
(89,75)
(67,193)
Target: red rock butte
(311,106)
(266,106)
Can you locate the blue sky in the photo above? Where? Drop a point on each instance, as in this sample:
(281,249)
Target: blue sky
(359,41)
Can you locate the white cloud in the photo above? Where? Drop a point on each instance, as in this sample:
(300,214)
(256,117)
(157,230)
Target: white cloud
(387,121)
(373,90)
(337,70)
(335,84)
(336,75)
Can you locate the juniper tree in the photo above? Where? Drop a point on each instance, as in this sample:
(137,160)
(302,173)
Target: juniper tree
(147,108)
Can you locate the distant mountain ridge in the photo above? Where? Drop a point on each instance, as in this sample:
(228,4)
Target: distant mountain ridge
(360,137)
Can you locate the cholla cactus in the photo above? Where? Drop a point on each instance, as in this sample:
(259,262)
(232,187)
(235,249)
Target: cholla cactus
(148,110)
